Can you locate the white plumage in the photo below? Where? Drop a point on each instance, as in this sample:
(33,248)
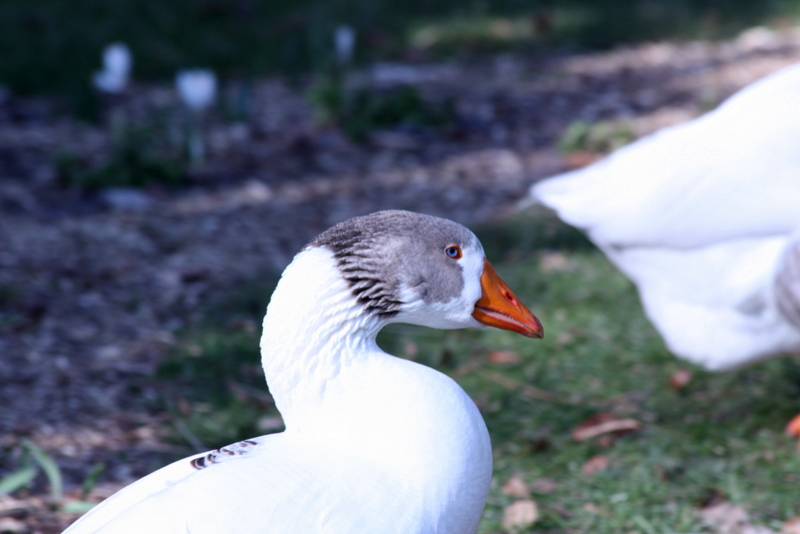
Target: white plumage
(373,443)
(704,218)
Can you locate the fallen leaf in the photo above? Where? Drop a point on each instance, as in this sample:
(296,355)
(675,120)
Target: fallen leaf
(791,525)
(605,441)
(505,357)
(410,351)
(595,465)
(604,423)
(520,514)
(793,428)
(680,378)
(544,485)
(554,262)
(516,487)
(727,518)
(591,508)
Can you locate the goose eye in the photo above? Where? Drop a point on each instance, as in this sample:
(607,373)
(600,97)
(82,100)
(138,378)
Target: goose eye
(453,252)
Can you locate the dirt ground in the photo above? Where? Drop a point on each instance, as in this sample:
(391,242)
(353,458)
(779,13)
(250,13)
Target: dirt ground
(94,287)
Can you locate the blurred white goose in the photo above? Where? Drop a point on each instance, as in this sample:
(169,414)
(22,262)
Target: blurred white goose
(372,443)
(704,217)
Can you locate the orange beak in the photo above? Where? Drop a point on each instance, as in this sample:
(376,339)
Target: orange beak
(499,307)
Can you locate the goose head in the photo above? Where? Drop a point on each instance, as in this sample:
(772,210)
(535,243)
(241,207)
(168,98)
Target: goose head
(364,273)
(412,268)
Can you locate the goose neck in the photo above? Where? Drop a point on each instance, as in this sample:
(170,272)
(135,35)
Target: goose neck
(314,327)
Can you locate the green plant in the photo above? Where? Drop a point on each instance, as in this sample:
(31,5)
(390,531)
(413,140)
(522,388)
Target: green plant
(51,46)
(602,136)
(140,156)
(33,460)
(214,387)
(359,111)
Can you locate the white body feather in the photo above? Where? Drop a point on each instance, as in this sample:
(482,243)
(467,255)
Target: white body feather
(374,444)
(699,216)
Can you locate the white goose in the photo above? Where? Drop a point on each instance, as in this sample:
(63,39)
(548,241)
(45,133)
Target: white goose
(373,443)
(704,217)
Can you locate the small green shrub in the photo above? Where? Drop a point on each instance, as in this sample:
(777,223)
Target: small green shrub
(602,136)
(141,156)
(359,111)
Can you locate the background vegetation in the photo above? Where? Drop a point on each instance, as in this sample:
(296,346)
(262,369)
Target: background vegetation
(54,46)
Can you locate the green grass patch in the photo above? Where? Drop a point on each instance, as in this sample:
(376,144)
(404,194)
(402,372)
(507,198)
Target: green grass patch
(601,136)
(213,383)
(721,434)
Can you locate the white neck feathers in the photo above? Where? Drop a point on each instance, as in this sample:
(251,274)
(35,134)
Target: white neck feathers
(312,328)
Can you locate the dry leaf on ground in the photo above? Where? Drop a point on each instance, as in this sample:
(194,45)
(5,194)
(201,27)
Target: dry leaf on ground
(727,518)
(591,508)
(554,261)
(544,485)
(516,487)
(791,525)
(604,423)
(503,357)
(793,428)
(595,465)
(520,514)
(577,160)
(680,378)
(410,350)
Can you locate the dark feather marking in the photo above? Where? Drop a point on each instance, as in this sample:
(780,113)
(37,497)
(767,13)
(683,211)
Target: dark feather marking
(372,252)
(219,455)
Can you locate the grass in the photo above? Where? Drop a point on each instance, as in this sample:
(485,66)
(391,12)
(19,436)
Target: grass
(602,136)
(720,435)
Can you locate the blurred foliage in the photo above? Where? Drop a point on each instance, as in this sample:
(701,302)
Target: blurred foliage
(54,46)
(360,111)
(141,155)
(515,238)
(214,382)
(602,136)
(204,381)
(32,459)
